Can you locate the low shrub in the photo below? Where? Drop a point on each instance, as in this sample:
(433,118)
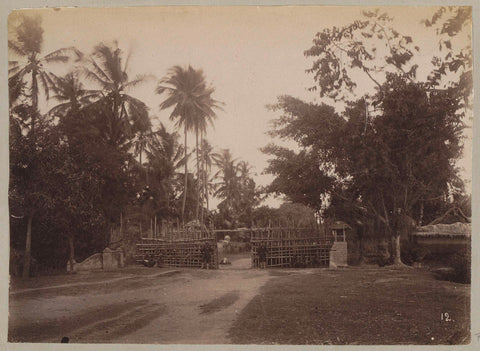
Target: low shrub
(412,253)
(461,263)
(456,267)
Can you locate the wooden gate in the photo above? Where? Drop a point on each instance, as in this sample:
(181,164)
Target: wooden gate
(291,247)
(179,248)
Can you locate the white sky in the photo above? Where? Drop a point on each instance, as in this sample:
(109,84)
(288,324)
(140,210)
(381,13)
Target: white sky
(251,55)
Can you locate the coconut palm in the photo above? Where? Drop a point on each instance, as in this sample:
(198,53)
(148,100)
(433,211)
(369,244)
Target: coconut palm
(206,152)
(31,66)
(30,72)
(123,115)
(229,187)
(193,104)
(244,169)
(71,95)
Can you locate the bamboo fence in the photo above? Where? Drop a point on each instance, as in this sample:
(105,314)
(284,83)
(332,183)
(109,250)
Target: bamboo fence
(291,247)
(179,248)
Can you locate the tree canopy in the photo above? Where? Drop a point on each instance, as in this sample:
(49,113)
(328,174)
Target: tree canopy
(389,155)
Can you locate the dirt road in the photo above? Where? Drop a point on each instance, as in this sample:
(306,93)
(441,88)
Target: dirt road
(147,305)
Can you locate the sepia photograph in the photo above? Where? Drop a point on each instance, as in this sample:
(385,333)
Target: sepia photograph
(239,175)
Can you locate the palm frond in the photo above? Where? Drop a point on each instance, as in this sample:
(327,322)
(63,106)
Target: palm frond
(127,61)
(138,80)
(62,55)
(99,71)
(59,109)
(45,84)
(169,102)
(111,61)
(14,70)
(90,75)
(89,96)
(16,48)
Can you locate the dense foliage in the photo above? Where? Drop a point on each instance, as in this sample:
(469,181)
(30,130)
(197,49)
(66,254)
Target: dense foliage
(95,158)
(390,155)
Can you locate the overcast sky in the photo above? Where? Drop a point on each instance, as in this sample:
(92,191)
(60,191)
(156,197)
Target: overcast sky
(250,54)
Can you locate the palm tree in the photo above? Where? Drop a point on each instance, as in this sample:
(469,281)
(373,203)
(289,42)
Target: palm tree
(206,151)
(229,187)
(148,140)
(124,115)
(244,169)
(71,95)
(31,66)
(248,192)
(193,104)
(30,71)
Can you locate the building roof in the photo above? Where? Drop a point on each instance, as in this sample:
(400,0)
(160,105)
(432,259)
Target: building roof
(444,230)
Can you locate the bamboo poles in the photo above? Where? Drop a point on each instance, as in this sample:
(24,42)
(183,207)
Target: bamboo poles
(290,247)
(178,247)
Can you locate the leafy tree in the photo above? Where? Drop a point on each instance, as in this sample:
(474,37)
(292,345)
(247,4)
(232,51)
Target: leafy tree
(384,166)
(381,166)
(340,53)
(187,91)
(455,56)
(75,205)
(30,72)
(288,214)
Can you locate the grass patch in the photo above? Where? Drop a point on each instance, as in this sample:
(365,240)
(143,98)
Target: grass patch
(356,306)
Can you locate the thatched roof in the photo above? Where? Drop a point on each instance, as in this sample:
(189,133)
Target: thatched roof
(444,230)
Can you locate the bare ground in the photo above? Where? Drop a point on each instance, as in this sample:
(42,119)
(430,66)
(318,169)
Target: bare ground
(142,305)
(240,305)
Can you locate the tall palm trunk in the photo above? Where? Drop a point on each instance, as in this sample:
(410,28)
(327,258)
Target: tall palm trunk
(34,104)
(72,252)
(28,247)
(198,174)
(205,182)
(202,166)
(186,178)
(27,258)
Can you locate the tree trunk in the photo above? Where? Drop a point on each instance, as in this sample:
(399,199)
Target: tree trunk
(28,247)
(72,252)
(197,206)
(203,174)
(34,103)
(397,260)
(184,201)
(360,235)
(420,220)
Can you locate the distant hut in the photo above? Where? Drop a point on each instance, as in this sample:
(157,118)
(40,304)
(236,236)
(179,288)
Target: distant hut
(339,250)
(339,231)
(449,233)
